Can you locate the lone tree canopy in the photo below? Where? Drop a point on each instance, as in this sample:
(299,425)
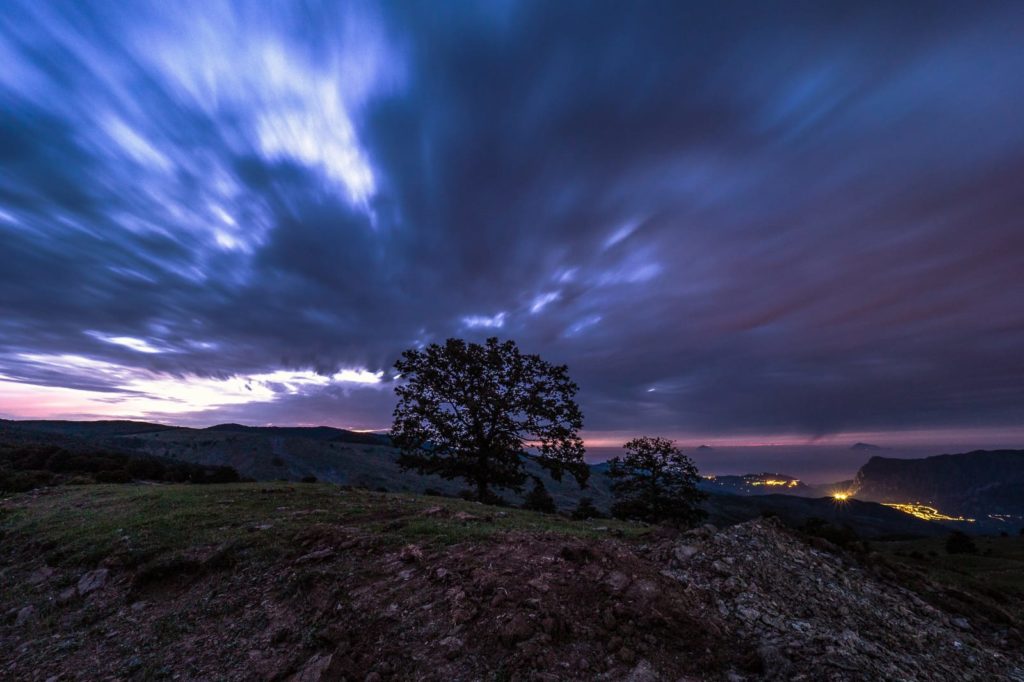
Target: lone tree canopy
(655,482)
(467,410)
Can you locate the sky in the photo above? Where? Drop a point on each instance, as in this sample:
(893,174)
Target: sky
(737,223)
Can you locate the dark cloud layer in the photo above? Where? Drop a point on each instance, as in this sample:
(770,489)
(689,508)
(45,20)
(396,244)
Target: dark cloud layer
(774,218)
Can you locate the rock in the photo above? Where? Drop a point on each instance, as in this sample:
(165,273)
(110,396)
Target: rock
(41,575)
(313,670)
(452,647)
(373,677)
(617,581)
(25,616)
(432,511)
(466,517)
(627,655)
(93,580)
(720,567)
(683,553)
(517,629)
(66,595)
(748,614)
(961,623)
(643,672)
(318,555)
(411,554)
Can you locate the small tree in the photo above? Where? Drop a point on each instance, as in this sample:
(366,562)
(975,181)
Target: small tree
(468,411)
(540,499)
(585,509)
(655,482)
(959,542)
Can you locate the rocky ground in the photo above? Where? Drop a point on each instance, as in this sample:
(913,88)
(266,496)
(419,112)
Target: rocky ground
(307,584)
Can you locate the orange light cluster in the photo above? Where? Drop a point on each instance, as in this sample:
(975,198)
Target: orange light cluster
(923,511)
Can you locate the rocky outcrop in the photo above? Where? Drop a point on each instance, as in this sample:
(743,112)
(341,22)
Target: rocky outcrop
(814,614)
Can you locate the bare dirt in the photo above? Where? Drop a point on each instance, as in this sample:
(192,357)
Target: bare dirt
(345,601)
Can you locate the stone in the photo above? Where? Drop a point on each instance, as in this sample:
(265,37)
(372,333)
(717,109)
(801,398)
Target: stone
(642,672)
(517,629)
(683,553)
(617,581)
(313,670)
(318,555)
(93,580)
(411,554)
(25,616)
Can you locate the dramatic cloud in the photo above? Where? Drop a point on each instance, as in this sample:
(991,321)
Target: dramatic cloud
(780,219)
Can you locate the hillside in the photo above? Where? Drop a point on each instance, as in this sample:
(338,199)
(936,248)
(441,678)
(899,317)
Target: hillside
(367,461)
(312,582)
(974,484)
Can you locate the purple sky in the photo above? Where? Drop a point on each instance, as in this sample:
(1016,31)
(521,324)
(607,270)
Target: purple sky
(736,224)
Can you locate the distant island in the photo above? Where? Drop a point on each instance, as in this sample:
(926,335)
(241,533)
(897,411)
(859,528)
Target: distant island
(866,447)
(704,447)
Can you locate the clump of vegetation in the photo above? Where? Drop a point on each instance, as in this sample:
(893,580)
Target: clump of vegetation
(841,536)
(467,411)
(959,542)
(657,483)
(585,509)
(540,499)
(24,467)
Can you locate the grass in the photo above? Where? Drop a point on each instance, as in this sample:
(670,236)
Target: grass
(998,567)
(84,524)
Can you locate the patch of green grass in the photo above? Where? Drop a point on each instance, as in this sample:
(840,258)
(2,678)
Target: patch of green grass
(997,567)
(82,525)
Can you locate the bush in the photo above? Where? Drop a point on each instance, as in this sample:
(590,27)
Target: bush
(841,536)
(959,542)
(586,510)
(113,476)
(539,499)
(308,479)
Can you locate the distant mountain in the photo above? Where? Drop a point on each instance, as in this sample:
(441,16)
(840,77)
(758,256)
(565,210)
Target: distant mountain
(866,447)
(974,484)
(704,447)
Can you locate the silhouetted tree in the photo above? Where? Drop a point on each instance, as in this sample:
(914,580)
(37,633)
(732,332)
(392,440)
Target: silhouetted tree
(468,411)
(540,499)
(959,542)
(656,482)
(585,509)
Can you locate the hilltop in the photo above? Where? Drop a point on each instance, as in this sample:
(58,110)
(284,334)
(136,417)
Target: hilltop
(315,582)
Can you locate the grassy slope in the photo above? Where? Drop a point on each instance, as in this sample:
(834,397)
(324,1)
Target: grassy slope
(82,525)
(997,569)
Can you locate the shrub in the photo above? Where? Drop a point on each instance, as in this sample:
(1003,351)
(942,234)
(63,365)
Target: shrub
(539,499)
(113,476)
(959,542)
(586,510)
